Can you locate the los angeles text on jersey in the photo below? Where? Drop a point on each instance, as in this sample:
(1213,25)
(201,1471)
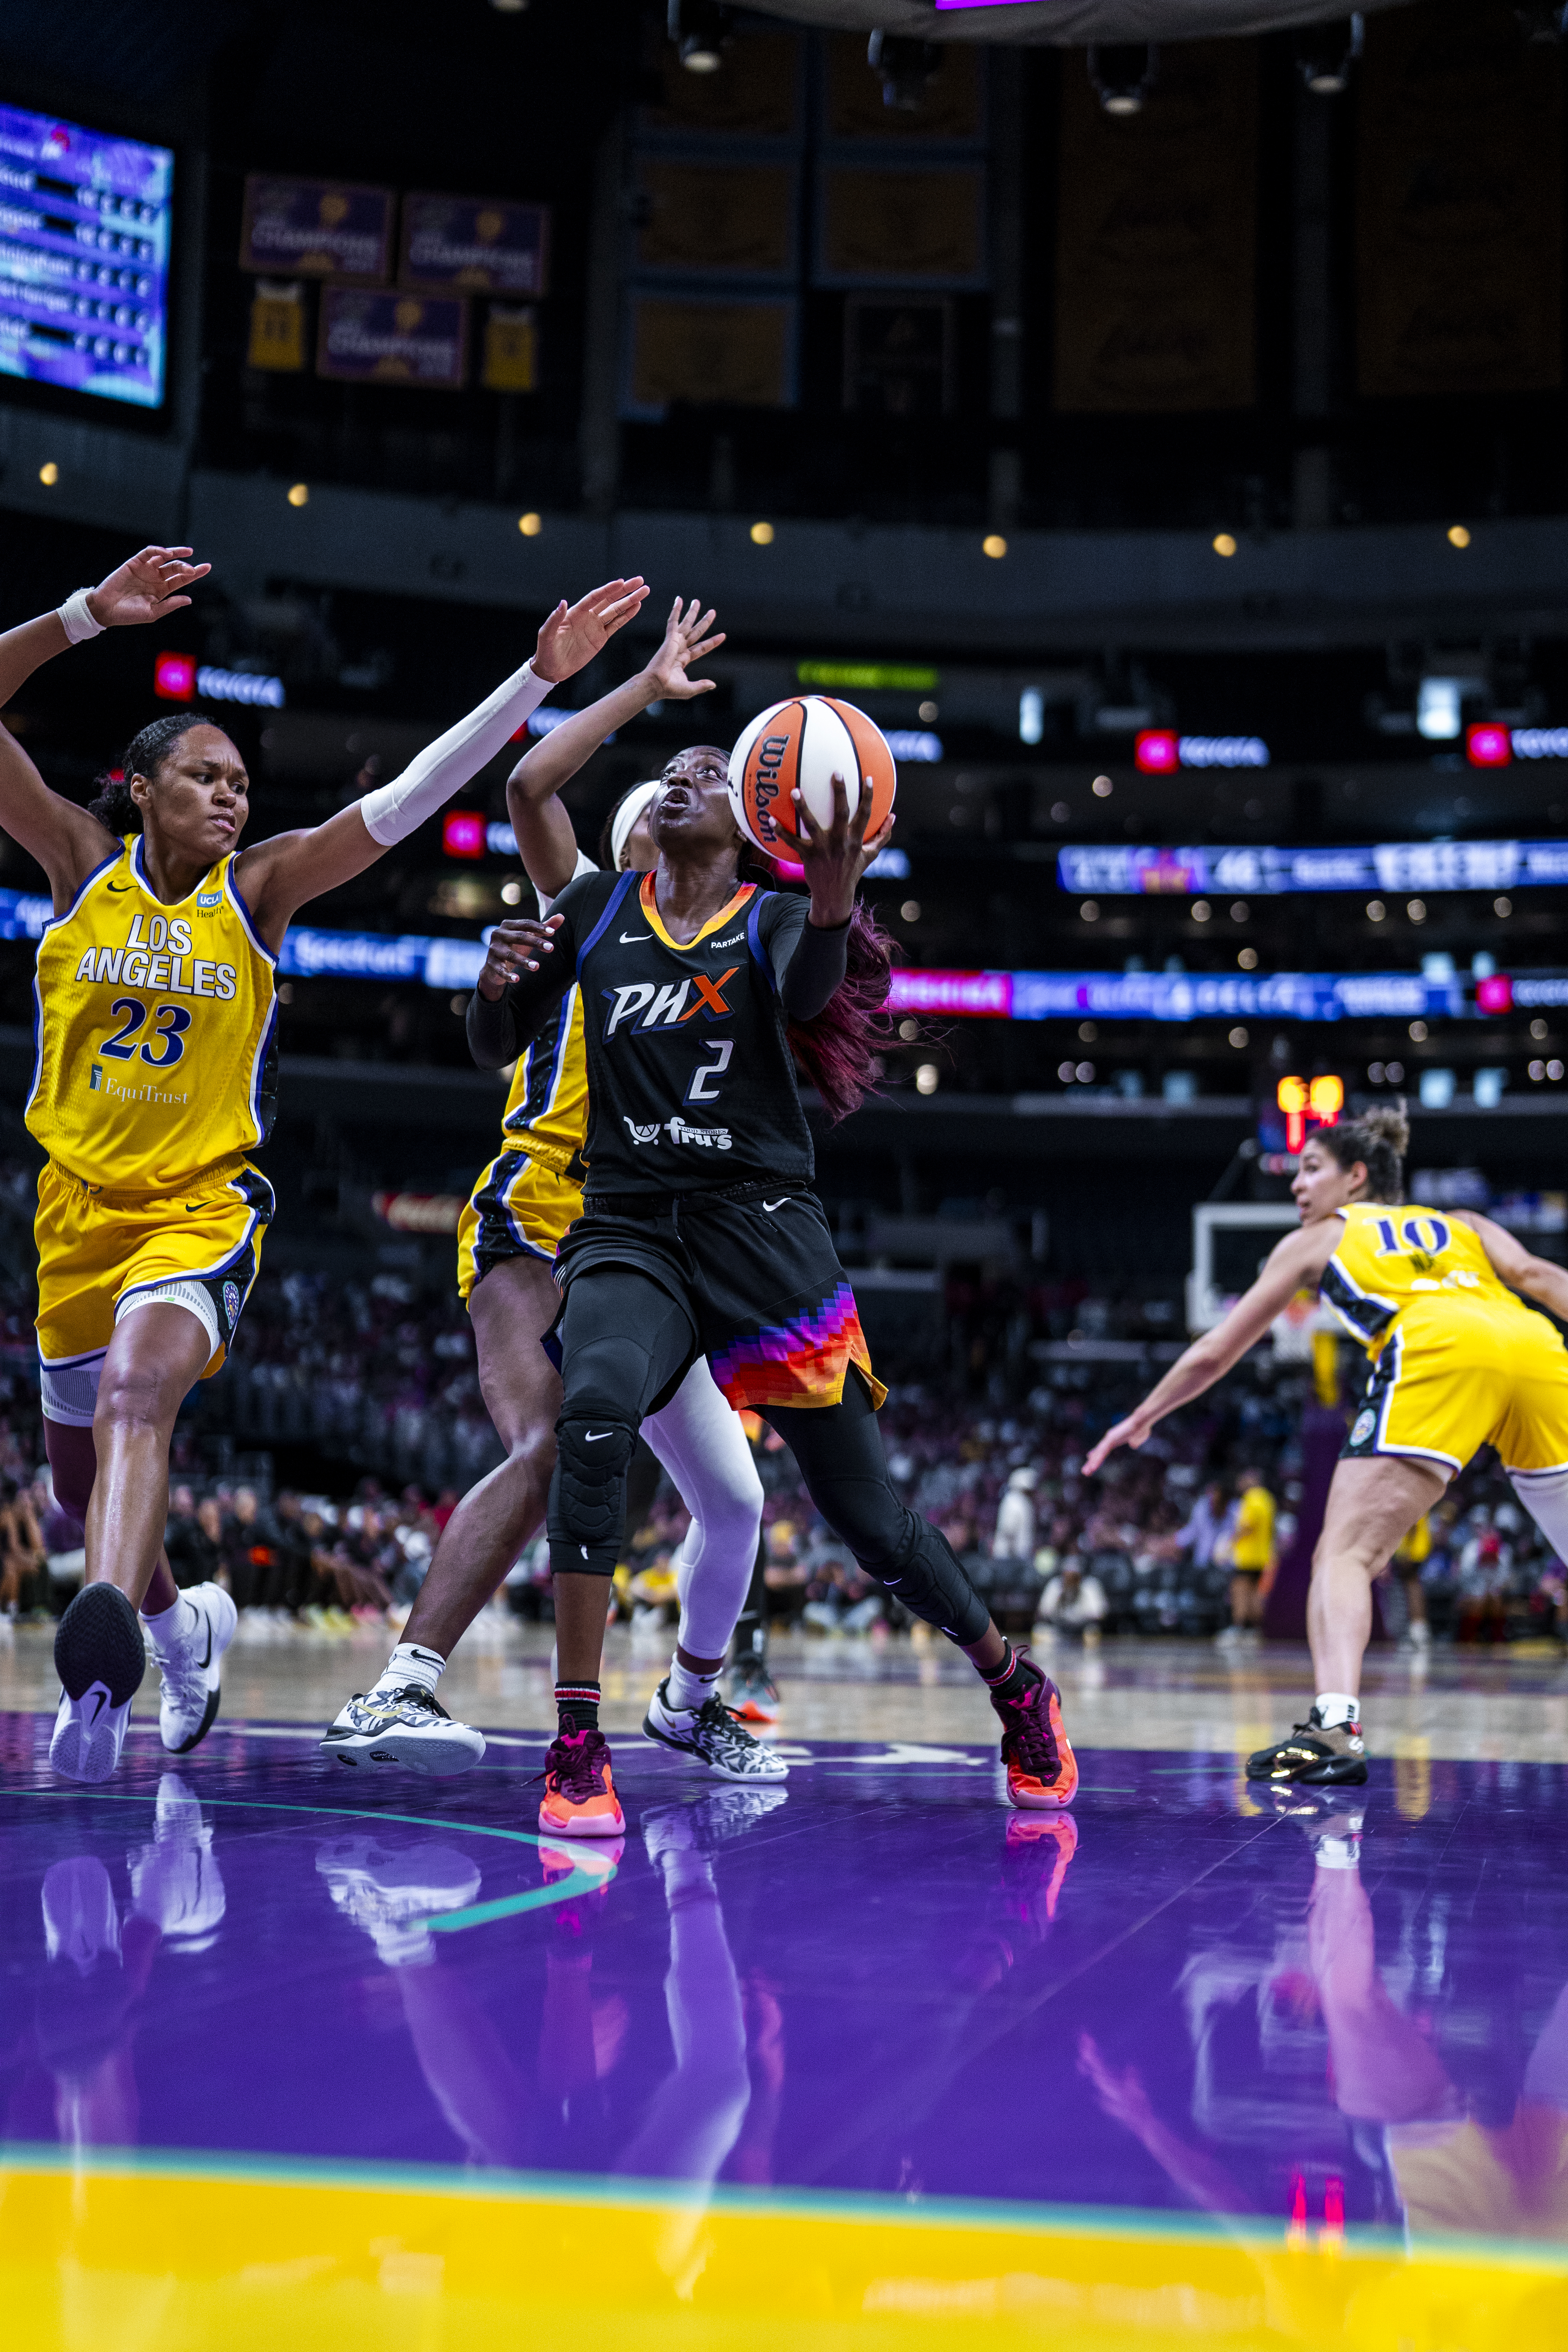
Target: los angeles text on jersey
(157,955)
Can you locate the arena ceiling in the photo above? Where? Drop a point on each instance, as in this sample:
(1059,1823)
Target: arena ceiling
(1065,23)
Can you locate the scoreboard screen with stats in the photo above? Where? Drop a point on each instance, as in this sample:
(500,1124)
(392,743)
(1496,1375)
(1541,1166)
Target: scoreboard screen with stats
(84,258)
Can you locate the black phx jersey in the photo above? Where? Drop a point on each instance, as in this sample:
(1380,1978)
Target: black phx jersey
(691,1084)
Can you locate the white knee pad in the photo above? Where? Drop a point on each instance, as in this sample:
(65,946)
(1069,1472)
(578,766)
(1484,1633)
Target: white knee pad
(69,1392)
(1544,1493)
(191,1295)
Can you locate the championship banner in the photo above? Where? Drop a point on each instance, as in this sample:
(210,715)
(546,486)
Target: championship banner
(512,349)
(757,96)
(949,105)
(393,339)
(276,327)
(473,245)
(914,228)
(1460,204)
(316,229)
(736,219)
(735,353)
(1157,238)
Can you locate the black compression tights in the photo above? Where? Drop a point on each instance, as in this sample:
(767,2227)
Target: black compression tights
(624,1340)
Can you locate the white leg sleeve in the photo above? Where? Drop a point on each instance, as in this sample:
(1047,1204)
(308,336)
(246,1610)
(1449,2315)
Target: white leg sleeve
(701,1444)
(191,1295)
(1544,1493)
(69,1392)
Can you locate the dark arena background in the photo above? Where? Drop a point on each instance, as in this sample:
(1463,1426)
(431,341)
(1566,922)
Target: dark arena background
(1151,414)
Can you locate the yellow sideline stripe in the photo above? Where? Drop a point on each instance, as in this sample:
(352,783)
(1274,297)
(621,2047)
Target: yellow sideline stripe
(152,2255)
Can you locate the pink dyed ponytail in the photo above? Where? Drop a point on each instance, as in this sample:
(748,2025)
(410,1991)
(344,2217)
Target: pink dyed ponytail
(837,1050)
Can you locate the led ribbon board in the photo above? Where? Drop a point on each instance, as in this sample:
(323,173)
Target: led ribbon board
(1428,866)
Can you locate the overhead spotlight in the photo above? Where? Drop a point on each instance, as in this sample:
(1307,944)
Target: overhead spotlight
(906,68)
(1121,74)
(700,30)
(1325,54)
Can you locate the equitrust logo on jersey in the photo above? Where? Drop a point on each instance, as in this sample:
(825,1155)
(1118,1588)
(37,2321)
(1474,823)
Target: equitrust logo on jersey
(104,1082)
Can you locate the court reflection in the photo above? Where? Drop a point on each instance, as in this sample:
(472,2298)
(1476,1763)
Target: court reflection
(1346,2092)
(71,2053)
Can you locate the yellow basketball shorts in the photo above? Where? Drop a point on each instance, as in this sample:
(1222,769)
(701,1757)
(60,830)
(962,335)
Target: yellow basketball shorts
(98,1247)
(1445,1384)
(519,1208)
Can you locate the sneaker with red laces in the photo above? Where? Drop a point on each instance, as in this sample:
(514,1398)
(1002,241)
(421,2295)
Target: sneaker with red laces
(1042,1770)
(580,1798)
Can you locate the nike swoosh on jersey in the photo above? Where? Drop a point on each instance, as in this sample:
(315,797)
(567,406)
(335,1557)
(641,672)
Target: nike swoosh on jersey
(117,886)
(593,1436)
(771,1205)
(634,938)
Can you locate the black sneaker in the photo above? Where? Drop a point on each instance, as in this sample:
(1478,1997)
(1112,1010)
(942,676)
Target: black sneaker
(711,1734)
(1322,1758)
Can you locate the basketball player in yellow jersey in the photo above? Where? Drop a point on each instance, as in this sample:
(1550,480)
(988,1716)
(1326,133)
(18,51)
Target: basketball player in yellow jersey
(155,1020)
(1458,1360)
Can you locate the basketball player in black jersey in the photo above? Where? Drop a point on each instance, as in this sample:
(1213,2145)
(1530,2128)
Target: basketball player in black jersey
(700,1233)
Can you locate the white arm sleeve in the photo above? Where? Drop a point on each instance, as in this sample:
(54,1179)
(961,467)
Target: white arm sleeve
(584,866)
(394,811)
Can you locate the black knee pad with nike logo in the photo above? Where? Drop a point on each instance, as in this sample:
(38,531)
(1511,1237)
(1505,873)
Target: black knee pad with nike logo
(588,1493)
(930,1580)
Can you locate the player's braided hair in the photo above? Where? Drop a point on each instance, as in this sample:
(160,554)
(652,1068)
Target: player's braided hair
(1380,1137)
(115,806)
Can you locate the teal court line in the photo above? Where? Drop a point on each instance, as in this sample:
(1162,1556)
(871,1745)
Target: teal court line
(473,1914)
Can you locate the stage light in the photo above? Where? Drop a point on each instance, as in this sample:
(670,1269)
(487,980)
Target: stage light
(1201,911)
(762,534)
(1458,535)
(463,833)
(1416,910)
(174,678)
(927,1078)
(1326,1100)
(1222,543)
(1375,910)
(929,713)
(700,30)
(1154,750)
(1031,715)
(1247,958)
(1121,74)
(531,525)
(1495,995)
(1416,1033)
(1090,911)
(1102,788)
(1325,54)
(906,66)
(993,545)
(49,475)
(299,495)
(1539,1031)
(1238,1039)
(1488,746)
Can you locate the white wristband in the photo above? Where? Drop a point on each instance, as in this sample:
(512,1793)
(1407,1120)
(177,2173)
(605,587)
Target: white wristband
(394,811)
(75,620)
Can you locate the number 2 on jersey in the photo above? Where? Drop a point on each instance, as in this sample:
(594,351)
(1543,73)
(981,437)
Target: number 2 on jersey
(171,1021)
(1428,1236)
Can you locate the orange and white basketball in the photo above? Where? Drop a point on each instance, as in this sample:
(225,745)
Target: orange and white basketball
(800,746)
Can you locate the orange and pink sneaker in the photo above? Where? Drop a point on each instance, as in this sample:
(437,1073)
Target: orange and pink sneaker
(580,1798)
(1042,1770)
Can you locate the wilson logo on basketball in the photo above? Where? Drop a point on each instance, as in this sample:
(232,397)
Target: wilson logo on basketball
(799,746)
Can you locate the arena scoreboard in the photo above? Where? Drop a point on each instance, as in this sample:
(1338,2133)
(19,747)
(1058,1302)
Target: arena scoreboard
(84,258)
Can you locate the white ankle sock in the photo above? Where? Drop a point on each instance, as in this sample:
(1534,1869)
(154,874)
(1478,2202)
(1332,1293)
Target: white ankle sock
(411,1663)
(1336,1707)
(687,1690)
(170,1626)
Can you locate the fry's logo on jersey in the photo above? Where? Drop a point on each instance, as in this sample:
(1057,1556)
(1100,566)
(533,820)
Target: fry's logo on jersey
(666,1007)
(158,959)
(709,1139)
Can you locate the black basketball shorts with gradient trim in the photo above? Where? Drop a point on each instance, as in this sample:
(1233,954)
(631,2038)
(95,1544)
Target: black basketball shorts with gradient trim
(770,1307)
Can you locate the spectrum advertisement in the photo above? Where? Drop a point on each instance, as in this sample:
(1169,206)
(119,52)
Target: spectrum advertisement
(1260,872)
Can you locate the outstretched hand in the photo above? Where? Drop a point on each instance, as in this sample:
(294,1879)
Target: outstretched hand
(515,947)
(147,588)
(569,640)
(834,855)
(685,641)
(1134,1431)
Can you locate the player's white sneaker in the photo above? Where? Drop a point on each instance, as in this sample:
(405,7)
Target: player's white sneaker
(711,1734)
(191,1667)
(407,1726)
(99,1658)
